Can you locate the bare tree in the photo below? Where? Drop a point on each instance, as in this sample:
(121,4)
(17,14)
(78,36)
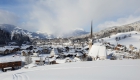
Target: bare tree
(28,59)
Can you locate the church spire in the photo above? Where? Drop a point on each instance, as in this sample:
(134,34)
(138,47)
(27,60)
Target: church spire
(90,39)
(91,31)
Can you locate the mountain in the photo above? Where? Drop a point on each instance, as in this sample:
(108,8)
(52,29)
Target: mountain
(73,33)
(10,33)
(13,30)
(43,35)
(133,24)
(77,32)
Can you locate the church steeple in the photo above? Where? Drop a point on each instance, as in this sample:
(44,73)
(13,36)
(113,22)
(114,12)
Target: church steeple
(91,31)
(90,39)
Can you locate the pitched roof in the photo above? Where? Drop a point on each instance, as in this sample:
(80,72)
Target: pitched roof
(97,51)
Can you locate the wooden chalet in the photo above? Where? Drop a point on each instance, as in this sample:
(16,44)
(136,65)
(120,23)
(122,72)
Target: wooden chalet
(9,49)
(4,51)
(10,63)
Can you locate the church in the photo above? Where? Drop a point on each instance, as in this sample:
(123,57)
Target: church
(96,51)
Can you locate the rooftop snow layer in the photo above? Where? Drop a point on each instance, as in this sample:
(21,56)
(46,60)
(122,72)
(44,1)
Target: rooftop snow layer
(97,51)
(10,59)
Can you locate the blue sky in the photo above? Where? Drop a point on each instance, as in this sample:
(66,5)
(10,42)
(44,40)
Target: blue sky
(61,16)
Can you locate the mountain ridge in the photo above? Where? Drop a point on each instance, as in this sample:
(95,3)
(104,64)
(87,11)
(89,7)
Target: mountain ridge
(12,29)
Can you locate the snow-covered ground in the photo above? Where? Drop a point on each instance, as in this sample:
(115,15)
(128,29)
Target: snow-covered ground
(92,70)
(126,69)
(134,39)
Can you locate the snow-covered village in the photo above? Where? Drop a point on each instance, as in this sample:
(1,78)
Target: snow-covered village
(69,40)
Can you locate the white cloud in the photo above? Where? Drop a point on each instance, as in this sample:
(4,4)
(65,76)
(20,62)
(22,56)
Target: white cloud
(7,17)
(60,16)
(119,22)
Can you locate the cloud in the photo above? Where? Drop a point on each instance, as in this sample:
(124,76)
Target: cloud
(119,22)
(58,16)
(7,17)
(61,16)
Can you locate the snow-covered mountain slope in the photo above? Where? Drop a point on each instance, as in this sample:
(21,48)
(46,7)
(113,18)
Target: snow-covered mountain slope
(73,33)
(134,24)
(79,32)
(13,29)
(134,39)
(17,30)
(92,70)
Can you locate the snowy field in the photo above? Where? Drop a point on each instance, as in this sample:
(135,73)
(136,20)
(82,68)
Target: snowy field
(92,70)
(134,39)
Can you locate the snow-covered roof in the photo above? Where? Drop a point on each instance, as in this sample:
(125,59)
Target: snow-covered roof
(86,47)
(26,51)
(85,51)
(72,50)
(71,46)
(35,50)
(10,59)
(68,53)
(135,50)
(97,51)
(79,54)
(52,59)
(2,49)
(54,52)
(11,46)
(24,47)
(8,48)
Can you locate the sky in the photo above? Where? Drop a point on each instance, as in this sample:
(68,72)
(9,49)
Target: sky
(62,16)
